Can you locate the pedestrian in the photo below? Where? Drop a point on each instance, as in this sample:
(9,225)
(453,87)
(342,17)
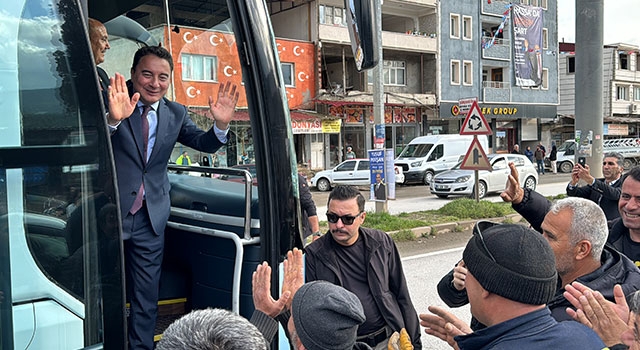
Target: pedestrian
(184,159)
(366,262)
(604,191)
(529,154)
(310,222)
(539,156)
(144,128)
(553,157)
(511,276)
(350,153)
(516,149)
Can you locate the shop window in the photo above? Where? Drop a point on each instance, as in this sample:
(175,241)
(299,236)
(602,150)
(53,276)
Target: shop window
(199,67)
(467,71)
(455,26)
(455,72)
(571,64)
(288,72)
(467,28)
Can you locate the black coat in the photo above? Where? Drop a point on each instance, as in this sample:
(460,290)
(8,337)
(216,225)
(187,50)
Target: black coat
(606,196)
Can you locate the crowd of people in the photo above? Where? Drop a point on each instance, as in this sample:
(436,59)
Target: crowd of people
(568,281)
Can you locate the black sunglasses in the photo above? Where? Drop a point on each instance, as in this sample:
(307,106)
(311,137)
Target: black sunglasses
(346,219)
(477,231)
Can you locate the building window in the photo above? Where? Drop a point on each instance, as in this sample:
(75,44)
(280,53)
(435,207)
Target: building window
(636,93)
(454,33)
(545,38)
(455,72)
(545,79)
(393,73)
(622,93)
(467,73)
(543,4)
(199,67)
(571,64)
(624,60)
(332,15)
(288,72)
(467,28)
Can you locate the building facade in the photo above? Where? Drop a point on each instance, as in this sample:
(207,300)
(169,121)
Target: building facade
(479,58)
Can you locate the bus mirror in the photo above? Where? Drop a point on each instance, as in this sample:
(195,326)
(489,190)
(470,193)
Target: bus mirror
(362,31)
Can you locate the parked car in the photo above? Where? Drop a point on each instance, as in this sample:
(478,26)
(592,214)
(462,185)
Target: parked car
(461,181)
(350,172)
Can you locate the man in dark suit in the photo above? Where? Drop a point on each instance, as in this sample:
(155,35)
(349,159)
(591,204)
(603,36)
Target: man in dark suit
(605,191)
(380,190)
(145,127)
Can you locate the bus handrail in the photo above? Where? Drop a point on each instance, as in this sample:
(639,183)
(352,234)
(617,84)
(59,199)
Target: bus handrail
(239,244)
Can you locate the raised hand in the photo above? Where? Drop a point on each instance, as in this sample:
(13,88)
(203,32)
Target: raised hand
(513,193)
(575,290)
(120,104)
(261,286)
(293,274)
(223,109)
(459,276)
(444,325)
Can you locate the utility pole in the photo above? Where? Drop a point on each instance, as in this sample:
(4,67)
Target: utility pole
(589,117)
(378,95)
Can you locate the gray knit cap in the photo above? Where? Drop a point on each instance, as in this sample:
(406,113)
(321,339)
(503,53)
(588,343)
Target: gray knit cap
(524,270)
(326,316)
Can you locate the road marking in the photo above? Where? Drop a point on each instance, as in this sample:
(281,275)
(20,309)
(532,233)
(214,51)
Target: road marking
(439,252)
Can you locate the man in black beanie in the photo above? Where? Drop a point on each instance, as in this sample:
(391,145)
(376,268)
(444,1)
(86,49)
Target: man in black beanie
(511,276)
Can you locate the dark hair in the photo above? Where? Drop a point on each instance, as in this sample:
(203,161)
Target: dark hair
(633,173)
(619,157)
(152,50)
(344,192)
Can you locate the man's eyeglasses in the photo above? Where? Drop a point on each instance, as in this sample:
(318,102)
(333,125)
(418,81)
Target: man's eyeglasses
(346,219)
(477,231)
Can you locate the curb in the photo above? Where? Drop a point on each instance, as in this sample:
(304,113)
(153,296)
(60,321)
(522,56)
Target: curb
(463,225)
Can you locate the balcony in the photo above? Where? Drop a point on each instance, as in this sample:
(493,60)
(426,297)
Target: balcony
(496,91)
(390,40)
(500,50)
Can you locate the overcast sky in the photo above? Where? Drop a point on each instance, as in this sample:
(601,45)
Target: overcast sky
(621,21)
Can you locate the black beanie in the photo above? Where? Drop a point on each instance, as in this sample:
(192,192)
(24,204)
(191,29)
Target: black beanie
(326,316)
(524,270)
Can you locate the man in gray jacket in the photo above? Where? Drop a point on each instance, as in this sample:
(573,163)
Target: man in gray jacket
(366,262)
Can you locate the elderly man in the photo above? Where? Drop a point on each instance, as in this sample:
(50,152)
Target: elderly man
(366,262)
(511,276)
(576,229)
(605,191)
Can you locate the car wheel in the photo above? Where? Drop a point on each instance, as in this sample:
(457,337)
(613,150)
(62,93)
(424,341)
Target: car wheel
(565,167)
(530,183)
(428,177)
(482,190)
(443,196)
(323,185)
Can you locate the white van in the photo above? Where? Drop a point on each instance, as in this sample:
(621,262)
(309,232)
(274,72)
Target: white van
(426,156)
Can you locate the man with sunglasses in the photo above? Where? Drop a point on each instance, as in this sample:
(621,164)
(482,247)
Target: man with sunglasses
(605,191)
(367,263)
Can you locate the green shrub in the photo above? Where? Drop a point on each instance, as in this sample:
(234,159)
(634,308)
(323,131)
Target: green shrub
(465,208)
(403,235)
(387,222)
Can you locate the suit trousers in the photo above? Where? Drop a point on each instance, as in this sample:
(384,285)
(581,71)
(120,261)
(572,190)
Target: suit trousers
(143,261)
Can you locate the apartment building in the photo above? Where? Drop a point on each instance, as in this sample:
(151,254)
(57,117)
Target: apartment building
(410,47)
(621,98)
(481,57)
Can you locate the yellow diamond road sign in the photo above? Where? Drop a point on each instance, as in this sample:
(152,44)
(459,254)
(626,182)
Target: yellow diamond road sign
(475,159)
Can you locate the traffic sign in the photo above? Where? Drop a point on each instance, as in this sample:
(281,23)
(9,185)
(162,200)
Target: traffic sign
(465,104)
(475,123)
(475,159)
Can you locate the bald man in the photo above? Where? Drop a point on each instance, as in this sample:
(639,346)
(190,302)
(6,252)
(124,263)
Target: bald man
(99,45)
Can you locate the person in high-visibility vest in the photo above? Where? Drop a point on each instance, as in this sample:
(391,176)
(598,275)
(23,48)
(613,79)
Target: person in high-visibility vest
(183,159)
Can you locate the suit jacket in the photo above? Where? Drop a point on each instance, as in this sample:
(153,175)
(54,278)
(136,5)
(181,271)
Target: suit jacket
(174,124)
(380,191)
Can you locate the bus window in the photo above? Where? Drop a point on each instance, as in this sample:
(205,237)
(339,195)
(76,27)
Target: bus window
(58,214)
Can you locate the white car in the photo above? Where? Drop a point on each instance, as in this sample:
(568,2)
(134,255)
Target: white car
(461,182)
(350,172)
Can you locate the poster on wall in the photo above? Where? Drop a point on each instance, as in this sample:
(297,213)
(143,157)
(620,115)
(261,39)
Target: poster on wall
(527,44)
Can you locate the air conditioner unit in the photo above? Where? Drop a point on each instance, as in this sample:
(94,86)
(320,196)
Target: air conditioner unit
(633,108)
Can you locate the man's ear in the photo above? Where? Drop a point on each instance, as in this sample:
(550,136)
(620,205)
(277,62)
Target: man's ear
(582,250)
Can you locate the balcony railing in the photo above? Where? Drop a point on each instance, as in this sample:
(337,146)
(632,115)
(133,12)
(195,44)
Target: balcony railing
(495,85)
(500,49)
(419,42)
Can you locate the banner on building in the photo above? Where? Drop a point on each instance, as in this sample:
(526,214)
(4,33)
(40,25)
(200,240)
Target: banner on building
(309,126)
(331,126)
(527,44)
